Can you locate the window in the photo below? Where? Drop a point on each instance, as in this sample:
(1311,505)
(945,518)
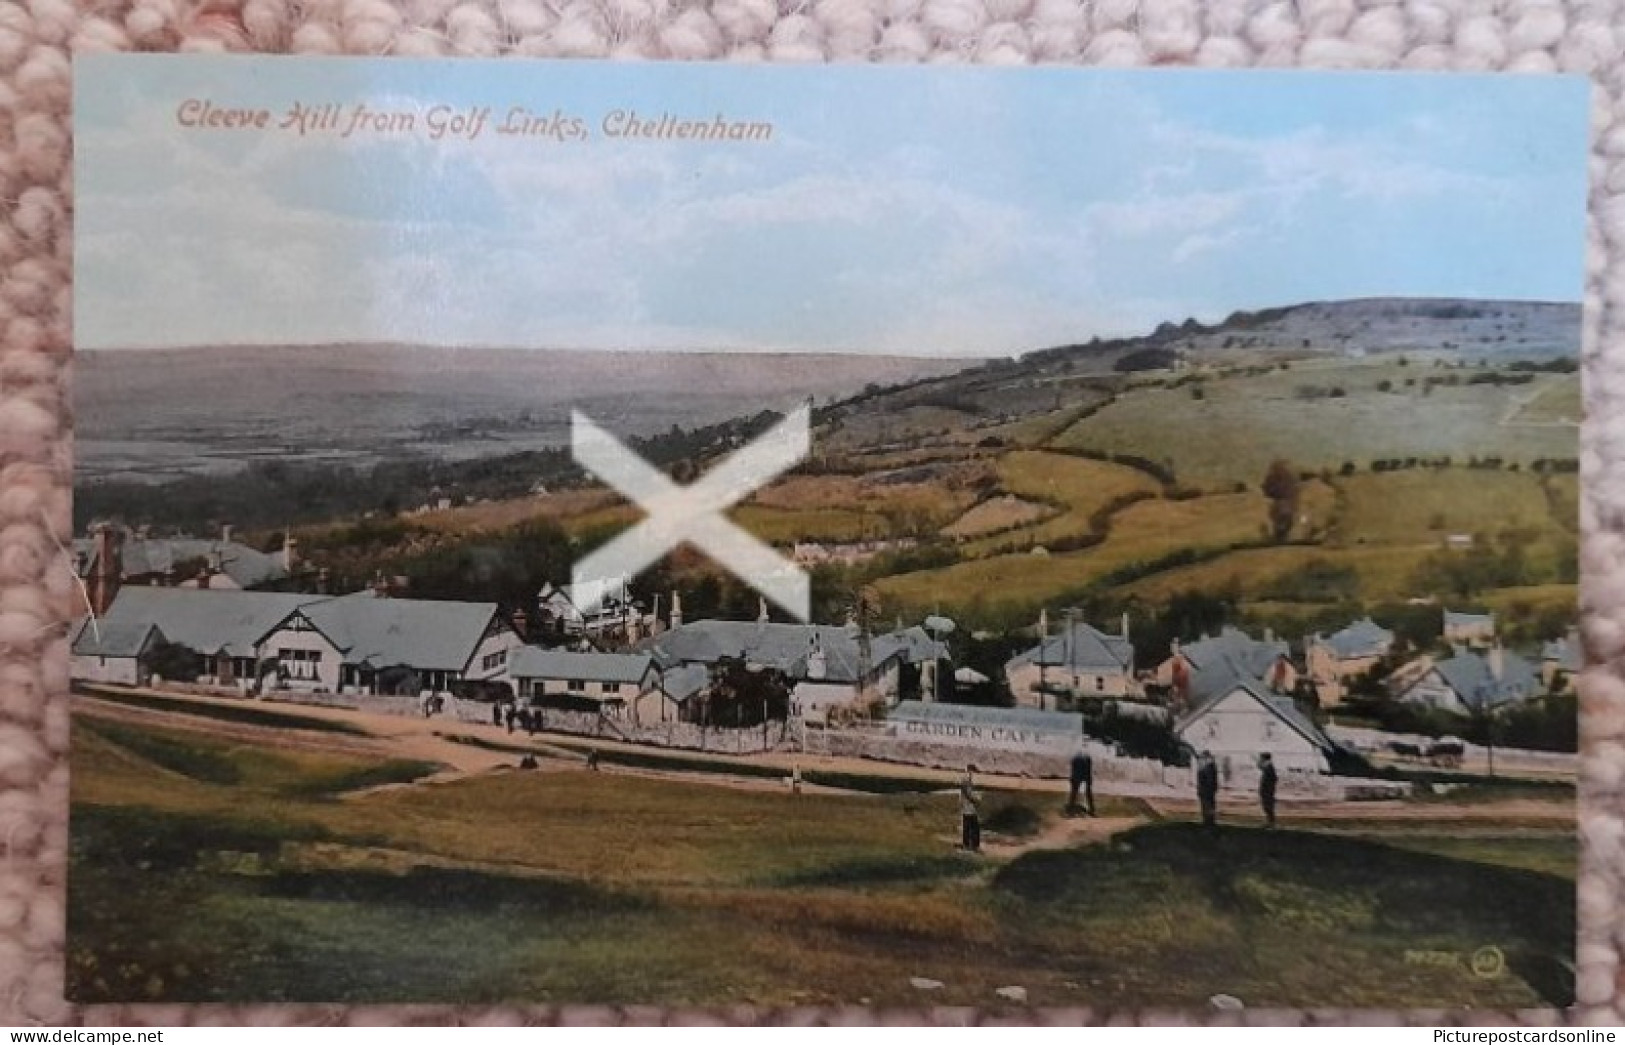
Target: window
(612,687)
(495,660)
(301,664)
(1100,683)
(576,686)
(1269,729)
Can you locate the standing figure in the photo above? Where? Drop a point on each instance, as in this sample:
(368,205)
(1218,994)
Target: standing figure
(1267,779)
(511,714)
(592,759)
(496,713)
(970,813)
(1207,789)
(1082,779)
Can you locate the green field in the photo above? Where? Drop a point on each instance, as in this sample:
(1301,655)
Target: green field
(1139,534)
(1076,486)
(212,870)
(1242,423)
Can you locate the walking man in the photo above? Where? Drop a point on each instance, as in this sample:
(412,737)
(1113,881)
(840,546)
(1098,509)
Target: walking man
(970,813)
(1267,779)
(1082,778)
(1207,789)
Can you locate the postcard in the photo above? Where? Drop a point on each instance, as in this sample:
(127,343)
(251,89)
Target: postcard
(699,534)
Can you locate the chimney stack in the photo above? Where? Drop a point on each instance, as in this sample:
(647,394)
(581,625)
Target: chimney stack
(1497,659)
(290,553)
(226,532)
(1125,624)
(676,609)
(106,568)
(324,580)
(521,624)
(761,610)
(380,585)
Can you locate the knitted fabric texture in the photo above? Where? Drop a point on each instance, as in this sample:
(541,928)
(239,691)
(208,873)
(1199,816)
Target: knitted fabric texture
(38,39)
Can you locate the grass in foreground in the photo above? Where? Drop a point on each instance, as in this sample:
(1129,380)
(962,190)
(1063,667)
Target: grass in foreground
(604,887)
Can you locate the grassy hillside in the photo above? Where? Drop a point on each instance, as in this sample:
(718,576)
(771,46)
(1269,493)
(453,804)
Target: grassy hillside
(1244,420)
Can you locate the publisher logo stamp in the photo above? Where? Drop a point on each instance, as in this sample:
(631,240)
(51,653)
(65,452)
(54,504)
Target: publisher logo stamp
(691,514)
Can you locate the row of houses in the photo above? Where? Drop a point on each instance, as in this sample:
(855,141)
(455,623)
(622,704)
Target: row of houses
(368,643)
(1232,694)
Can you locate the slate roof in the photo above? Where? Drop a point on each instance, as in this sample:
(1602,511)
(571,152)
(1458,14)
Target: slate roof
(533,662)
(1363,638)
(1469,675)
(917,645)
(247,567)
(684,681)
(208,621)
(1235,648)
(1282,707)
(379,632)
(430,635)
(107,639)
(1079,649)
(1219,663)
(785,647)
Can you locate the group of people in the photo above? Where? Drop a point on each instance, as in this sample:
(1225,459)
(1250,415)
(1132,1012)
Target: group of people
(1081,785)
(524,718)
(1207,788)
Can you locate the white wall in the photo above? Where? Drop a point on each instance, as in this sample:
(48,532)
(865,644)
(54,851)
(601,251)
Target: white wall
(503,641)
(327,669)
(1238,729)
(122,670)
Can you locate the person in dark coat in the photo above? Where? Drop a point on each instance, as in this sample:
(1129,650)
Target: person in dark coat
(496,714)
(511,714)
(1268,778)
(970,813)
(1207,789)
(1082,779)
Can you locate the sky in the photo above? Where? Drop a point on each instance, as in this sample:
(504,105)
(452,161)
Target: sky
(957,211)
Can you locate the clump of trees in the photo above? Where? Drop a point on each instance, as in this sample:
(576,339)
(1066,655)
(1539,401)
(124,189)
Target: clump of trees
(1282,487)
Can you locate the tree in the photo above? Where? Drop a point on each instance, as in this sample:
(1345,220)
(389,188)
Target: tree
(1281,486)
(173,662)
(742,696)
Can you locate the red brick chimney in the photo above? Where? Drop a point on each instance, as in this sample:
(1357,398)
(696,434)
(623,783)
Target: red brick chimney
(106,567)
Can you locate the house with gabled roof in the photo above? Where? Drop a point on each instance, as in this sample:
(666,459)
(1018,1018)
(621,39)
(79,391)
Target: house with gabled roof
(1245,719)
(824,663)
(107,652)
(1080,663)
(357,643)
(1198,670)
(1471,682)
(616,683)
(115,556)
(1331,660)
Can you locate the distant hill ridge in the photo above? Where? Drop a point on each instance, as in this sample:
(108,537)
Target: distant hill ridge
(1478,328)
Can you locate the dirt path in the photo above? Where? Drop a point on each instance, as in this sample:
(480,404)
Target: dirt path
(430,740)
